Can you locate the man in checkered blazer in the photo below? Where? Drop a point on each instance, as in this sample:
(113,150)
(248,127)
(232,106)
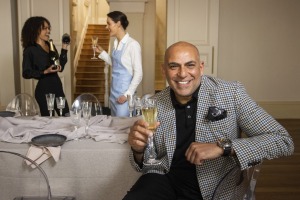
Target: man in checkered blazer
(198,137)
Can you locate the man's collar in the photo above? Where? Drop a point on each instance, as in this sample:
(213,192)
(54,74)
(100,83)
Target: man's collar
(176,103)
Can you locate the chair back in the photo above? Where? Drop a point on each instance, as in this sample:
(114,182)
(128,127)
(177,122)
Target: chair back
(24,105)
(241,182)
(96,105)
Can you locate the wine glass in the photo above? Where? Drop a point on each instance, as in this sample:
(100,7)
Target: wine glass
(130,101)
(94,45)
(149,112)
(86,113)
(75,115)
(50,102)
(138,106)
(60,103)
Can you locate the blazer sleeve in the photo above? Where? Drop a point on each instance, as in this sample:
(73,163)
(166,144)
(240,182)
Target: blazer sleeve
(267,139)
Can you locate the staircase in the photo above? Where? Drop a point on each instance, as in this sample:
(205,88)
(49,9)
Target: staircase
(90,76)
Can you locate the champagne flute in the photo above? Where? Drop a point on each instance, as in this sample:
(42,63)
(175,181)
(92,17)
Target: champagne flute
(86,113)
(94,45)
(50,102)
(149,112)
(130,101)
(60,103)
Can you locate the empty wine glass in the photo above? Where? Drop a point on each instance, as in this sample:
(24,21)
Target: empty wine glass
(130,101)
(86,113)
(75,115)
(149,112)
(94,45)
(50,102)
(60,103)
(138,106)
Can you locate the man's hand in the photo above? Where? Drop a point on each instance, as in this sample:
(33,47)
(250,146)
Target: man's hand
(198,152)
(138,137)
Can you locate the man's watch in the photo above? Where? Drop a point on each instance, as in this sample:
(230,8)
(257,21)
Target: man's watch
(226,145)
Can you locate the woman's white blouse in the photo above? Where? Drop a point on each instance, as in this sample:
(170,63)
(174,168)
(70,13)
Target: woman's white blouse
(131,59)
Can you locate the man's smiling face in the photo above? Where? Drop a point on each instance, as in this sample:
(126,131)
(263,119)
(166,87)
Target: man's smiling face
(183,70)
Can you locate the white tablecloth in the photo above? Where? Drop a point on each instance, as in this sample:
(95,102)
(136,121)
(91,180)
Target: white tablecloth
(87,169)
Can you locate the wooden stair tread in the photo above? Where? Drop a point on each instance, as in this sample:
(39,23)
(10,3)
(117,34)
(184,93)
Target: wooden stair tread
(90,76)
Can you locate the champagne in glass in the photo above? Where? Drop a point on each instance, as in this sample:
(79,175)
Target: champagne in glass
(149,112)
(94,45)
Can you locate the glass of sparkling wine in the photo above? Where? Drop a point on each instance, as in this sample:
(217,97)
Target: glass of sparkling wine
(94,45)
(50,103)
(149,112)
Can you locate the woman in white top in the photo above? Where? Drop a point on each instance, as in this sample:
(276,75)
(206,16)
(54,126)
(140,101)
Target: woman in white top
(126,63)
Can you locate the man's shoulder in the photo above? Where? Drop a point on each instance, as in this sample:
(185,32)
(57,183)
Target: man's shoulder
(218,83)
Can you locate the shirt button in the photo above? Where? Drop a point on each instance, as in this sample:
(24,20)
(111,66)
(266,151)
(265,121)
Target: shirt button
(188,106)
(189,116)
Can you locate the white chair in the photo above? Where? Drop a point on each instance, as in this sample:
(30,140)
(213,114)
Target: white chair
(44,175)
(96,105)
(24,105)
(243,181)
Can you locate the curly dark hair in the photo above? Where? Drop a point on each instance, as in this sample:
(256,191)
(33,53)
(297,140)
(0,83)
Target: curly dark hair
(119,16)
(31,30)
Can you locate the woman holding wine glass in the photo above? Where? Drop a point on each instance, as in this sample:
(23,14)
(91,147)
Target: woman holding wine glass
(42,62)
(126,63)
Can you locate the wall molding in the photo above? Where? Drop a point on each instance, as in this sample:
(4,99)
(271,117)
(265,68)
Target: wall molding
(282,109)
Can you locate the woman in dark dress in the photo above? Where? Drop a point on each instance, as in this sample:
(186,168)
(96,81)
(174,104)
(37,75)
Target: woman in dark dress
(37,63)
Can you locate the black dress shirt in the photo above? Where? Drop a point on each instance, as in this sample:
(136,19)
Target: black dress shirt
(36,60)
(182,173)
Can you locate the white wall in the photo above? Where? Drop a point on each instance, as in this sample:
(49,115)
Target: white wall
(259,45)
(7,85)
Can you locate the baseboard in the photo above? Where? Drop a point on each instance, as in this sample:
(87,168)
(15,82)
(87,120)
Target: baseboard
(282,109)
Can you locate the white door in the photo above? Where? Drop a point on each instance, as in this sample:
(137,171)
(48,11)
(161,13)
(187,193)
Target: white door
(195,21)
(58,13)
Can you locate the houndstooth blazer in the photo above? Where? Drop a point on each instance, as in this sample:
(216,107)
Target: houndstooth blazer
(267,139)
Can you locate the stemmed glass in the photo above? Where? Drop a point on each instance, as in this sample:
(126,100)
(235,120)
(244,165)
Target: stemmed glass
(75,113)
(60,103)
(130,100)
(86,113)
(50,102)
(138,106)
(94,45)
(149,112)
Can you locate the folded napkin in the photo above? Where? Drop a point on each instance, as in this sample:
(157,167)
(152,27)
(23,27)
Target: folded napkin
(40,154)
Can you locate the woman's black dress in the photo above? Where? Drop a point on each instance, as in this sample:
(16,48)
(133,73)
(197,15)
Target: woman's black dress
(35,61)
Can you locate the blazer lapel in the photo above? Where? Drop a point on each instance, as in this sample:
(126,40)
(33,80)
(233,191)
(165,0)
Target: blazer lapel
(206,98)
(168,127)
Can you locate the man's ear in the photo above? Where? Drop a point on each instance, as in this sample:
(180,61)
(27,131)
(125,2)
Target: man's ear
(202,64)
